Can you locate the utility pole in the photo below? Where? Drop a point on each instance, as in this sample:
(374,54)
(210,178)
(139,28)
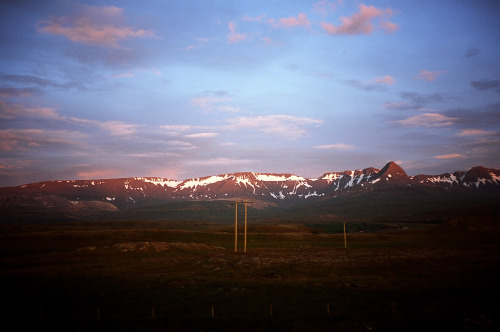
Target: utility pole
(236,227)
(245,245)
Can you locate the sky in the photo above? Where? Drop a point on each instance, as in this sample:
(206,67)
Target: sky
(184,89)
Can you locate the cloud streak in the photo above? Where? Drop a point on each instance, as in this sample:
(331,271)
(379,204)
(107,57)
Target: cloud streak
(287,126)
(91,27)
(235,37)
(450,156)
(428,75)
(486,84)
(387,80)
(300,21)
(361,23)
(427,120)
(338,146)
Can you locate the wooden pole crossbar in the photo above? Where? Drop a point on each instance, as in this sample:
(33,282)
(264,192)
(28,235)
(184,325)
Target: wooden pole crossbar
(236,226)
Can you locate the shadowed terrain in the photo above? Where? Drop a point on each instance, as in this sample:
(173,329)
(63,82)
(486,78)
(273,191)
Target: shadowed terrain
(185,276)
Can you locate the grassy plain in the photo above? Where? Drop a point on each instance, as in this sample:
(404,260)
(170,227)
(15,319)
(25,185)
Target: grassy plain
(185,276)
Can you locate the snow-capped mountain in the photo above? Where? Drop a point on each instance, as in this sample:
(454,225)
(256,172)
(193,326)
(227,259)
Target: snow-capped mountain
(276,189)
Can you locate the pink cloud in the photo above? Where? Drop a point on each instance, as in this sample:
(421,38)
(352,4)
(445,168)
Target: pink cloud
(388,80)
(98,173)
(429,76)
(475,132)
(119,128)
(93,27)
(338,146)
(324,6)
(450,156)
(428,120)
(202,135)
(11,111)
(389,26)
(29,139)
(287,126)
(361,22)
(235,37)
(300,20)
(258,19)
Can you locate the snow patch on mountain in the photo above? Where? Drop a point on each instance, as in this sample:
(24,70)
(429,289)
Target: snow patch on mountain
(196,182)
(278,177)
(160,182)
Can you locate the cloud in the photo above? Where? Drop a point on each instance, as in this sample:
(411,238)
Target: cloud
(39,81)
(22,140)
(200,42)
(361,22)
(235,37)
(214,101)
(400,106)
(388,80)
(389,27)
(258,19)
(300,20)
(486,84)
(224,161)
(428,75)
(202,135)
(324,7)
(475,132)
(472,52)
(98,173)
(16,92)
(364,86)
(419,99)
(11,111)
(338,146)
(207,102)
(181,145)
(119,128)
(123,75)
(177,128)
(428,120)
(450,156)
(93,26)
(479,117)
(287,126)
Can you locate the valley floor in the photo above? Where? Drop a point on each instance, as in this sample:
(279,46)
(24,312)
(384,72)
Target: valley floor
(161,276)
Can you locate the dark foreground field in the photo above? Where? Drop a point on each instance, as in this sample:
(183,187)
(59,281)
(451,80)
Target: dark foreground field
(163,276)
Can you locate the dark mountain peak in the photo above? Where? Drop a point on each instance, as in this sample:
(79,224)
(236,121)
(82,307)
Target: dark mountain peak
(393,169)
(477,172)
(481,176)
(368,171)
(392,174)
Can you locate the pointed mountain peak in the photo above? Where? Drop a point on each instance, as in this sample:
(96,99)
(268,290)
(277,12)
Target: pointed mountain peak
(392,174)
(480,172)
(393,169)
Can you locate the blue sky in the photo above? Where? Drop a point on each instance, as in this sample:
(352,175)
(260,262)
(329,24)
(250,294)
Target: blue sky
(181,89)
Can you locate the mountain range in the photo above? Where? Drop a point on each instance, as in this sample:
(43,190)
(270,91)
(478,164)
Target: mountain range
(371,192)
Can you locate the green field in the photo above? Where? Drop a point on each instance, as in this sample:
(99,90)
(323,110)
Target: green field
(185,276)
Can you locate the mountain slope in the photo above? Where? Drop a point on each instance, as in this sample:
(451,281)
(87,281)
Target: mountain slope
(81,199)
